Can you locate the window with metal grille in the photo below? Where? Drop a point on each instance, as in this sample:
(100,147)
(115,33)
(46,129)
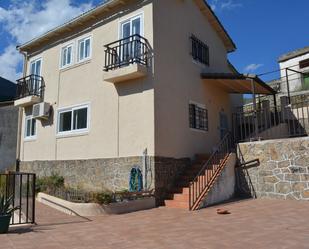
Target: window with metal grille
(304,63)
(200,51)
(198,117)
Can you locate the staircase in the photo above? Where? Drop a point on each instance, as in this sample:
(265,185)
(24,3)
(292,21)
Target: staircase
(197,180)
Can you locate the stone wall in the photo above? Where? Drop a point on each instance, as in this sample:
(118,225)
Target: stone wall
(167,171)
(282,172)
(8,136)
(111,174)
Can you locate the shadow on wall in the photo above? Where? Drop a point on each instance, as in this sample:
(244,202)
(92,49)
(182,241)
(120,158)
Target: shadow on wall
(50,120)
(244,186)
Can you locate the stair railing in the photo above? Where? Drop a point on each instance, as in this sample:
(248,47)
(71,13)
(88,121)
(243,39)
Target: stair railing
(209,172)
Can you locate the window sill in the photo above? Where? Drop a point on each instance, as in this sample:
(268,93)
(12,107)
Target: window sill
(198,130)
(80,63)
(72,134)
(30,139)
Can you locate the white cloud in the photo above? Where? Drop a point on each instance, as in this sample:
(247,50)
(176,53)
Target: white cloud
(224,4)
(230,5)
(23,21)
(252,67)
(9,61)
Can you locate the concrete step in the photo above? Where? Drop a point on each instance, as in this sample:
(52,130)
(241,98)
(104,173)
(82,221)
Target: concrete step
(181,197)
(176,204)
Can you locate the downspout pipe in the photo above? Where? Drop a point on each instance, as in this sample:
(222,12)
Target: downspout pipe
(20,115)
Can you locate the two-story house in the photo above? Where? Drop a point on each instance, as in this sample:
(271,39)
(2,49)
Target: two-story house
(127,84)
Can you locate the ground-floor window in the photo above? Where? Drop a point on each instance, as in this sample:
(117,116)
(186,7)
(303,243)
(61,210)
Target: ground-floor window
(198,117)
(30,127)
(73,119)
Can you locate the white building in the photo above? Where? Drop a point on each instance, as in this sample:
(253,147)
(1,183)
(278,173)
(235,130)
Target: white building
(294,68)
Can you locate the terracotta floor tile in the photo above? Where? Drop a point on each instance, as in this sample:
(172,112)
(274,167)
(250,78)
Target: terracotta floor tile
(251,224)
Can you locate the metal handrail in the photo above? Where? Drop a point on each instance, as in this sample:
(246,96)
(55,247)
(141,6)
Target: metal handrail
(202,180)
(31,85)
(129,50)
(273,122)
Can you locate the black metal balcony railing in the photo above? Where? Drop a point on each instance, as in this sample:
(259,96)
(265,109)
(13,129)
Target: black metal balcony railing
(31,85)
(272,122)
(130,50)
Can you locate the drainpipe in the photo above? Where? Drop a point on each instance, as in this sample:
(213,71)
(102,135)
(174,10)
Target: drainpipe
(20,115)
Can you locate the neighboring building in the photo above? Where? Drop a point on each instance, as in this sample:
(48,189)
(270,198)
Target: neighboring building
(8,124)
(295,65)
(7,90)
(127,84)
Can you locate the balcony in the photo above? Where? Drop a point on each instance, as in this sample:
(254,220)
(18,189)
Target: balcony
(126,59)
(30,90)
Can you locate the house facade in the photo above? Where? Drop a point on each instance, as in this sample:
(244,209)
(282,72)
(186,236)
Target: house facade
(120,87)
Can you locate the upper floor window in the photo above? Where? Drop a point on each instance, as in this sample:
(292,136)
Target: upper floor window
(132,26)
(36,67)
(200,51)
(304,63)
(67,55)
(74,119)
(198,117)
(30,127)
(84,49)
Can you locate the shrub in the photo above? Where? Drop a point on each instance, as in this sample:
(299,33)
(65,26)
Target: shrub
(49,183)
(103,197)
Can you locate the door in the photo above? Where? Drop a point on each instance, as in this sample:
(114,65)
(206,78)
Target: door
(130,45)
(35,80)
(224,125)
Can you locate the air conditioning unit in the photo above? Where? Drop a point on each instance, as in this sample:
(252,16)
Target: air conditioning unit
(41,110)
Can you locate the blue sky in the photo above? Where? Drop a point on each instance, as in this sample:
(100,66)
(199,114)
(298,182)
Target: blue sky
(261,29)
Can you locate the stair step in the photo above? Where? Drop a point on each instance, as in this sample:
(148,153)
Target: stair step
(181,197)
(181,190)
(176,204)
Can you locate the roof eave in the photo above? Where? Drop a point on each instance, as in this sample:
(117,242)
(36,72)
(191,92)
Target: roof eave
(72,22)
(228,41)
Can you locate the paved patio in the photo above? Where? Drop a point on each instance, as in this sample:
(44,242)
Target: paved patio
(251,224)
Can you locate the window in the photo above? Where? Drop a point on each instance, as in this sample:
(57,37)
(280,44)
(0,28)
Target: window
(66,56)
(130,32)
(304,63)
(200,51)
(305,81)
(73,119)
(35,84)
(84,49)
(130,27)
(30,127)
(198,117)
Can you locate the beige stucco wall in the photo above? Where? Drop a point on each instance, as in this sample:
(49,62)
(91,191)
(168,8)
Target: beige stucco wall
(178,79)
(147,113)
(122,115)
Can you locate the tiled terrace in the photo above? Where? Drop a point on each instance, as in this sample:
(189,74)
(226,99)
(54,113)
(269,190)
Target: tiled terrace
(251,224)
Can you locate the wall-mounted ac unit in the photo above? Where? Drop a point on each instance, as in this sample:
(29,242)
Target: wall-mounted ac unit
(41,110)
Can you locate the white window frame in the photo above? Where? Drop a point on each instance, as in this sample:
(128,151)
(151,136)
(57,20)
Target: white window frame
(71,45)
(72,109)
(79,41)
(35,60)
(130,19)
(31,137)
